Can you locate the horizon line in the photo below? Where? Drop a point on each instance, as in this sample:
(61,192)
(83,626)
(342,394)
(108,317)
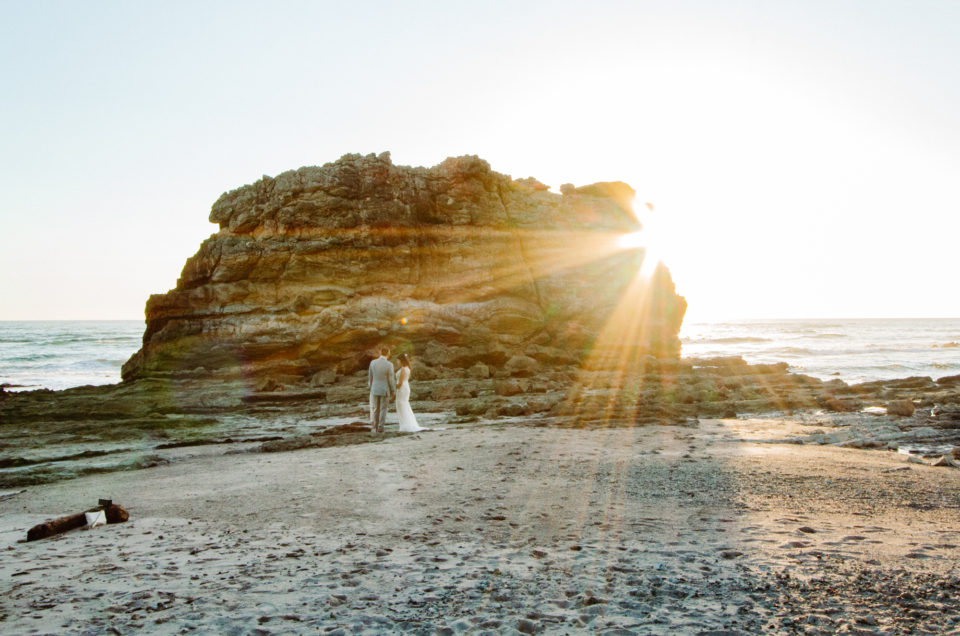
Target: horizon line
(695,320)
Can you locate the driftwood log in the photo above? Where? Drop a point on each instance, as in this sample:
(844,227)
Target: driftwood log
(113,512)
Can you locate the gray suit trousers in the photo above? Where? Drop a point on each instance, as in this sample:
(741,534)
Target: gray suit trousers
(380,405)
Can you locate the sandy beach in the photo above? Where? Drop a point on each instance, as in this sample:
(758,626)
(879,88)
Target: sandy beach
(501,528)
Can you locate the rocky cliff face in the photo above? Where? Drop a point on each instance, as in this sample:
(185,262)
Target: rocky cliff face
(460,266)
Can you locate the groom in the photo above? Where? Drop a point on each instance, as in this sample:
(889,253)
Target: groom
(381,383)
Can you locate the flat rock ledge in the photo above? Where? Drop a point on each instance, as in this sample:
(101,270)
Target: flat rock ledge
(178,412)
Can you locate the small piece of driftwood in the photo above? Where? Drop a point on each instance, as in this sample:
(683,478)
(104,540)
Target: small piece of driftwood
(113,513)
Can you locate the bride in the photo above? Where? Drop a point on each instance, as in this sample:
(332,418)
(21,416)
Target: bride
(408,421)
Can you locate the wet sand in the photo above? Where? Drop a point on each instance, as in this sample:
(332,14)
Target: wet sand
(501,528)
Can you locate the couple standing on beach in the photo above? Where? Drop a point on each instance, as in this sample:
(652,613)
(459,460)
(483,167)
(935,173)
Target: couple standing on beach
(381,381)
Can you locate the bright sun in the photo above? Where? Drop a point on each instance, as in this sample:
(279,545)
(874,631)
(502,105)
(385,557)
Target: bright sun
(651,239)
(631,241)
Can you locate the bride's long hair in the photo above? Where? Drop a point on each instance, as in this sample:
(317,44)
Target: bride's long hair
(404,360)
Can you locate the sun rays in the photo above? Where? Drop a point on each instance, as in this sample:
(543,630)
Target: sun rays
(604,282)
(605,276)
(596,292)
(468,263)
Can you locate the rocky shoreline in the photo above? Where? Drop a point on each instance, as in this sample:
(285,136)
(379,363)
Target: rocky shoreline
(47,435)
(513,301)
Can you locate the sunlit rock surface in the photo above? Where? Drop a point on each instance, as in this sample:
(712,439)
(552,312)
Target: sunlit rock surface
(457,264)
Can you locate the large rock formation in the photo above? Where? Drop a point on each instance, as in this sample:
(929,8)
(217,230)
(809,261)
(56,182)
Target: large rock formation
(456,264)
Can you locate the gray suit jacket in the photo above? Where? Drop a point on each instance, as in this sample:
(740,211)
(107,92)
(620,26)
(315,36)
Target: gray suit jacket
(380,378)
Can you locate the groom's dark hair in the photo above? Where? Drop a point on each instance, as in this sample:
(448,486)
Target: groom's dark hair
(384,350)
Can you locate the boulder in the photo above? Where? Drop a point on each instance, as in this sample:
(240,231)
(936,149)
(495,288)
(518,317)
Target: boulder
(946,412)
(421,372)
(268,385)
(508,387)
(324,377)
(479,370)
(457,265)
(521,366)
(903,408)
(949,381)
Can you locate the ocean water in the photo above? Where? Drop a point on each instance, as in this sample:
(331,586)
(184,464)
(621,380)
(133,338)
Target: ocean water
(851,350)
(63,354)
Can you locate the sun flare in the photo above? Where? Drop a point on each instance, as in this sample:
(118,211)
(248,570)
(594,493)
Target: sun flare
(657,239)
(631,241)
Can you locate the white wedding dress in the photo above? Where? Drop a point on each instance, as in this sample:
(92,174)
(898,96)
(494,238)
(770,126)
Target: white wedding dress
(408,421)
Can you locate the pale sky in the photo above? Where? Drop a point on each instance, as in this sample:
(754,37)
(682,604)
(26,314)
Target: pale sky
(803,157)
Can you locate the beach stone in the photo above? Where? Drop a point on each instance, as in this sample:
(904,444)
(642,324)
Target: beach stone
(324,377)
(514,409)
(949,381)
(924,432)
(913,382)
(479,370)
(903,408)
(472,407)
(268,385)
(840,405)
(508,388)
(946,413)
(521,366)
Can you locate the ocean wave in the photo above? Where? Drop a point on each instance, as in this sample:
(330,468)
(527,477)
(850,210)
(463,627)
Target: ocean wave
(60,341)
(94,338)
(888,371)
(727,340)
(894,365)
(33,357)
(92,363)
(809,331)
(795,351)
(898,347)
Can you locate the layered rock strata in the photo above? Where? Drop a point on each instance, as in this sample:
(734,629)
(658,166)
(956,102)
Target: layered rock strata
(456,264)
